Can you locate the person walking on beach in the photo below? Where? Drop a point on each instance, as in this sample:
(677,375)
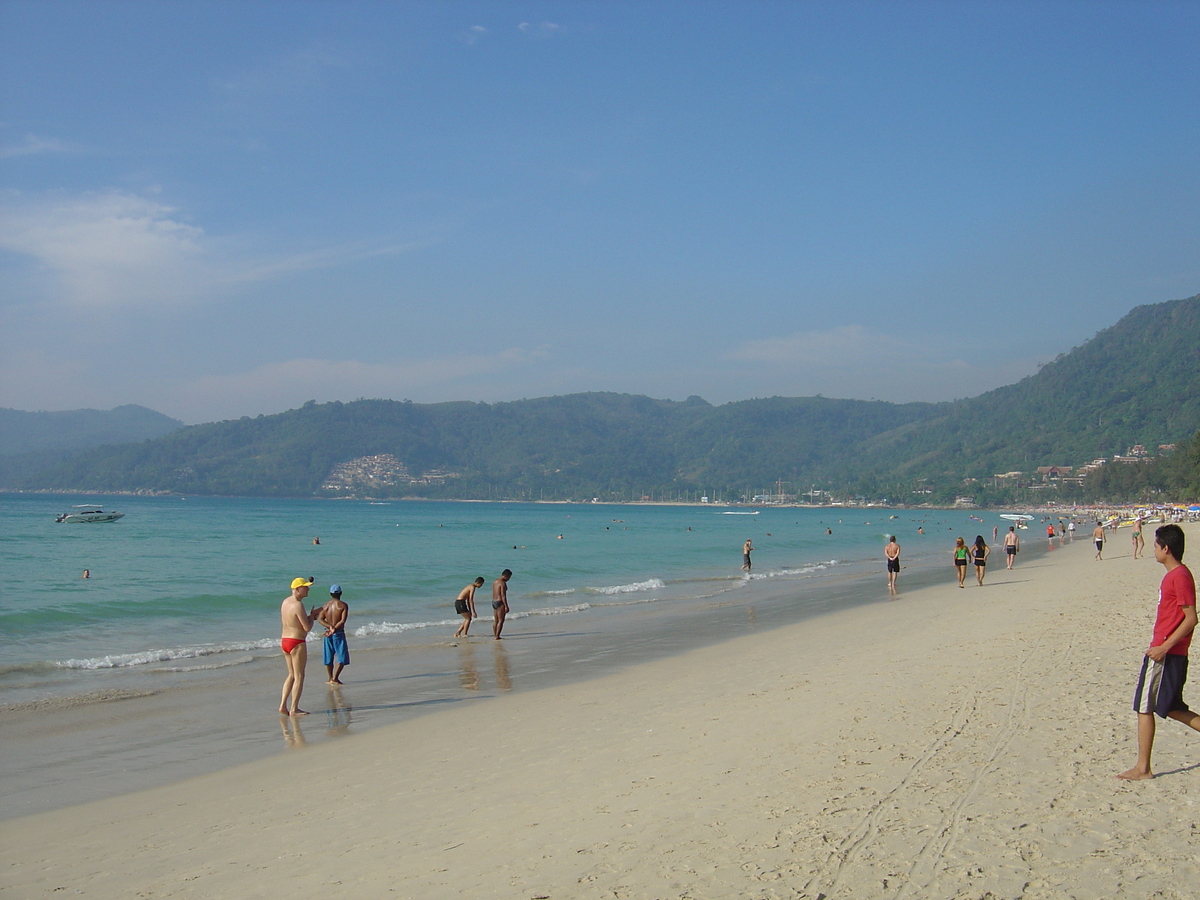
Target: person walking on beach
(500,602)
(1012,543)
(333,616)
(746,548)
(296,625)
(1164,666)
(961,555)
(464,605)
(1139,545)
(981,552)
(1098,537)
(892,552)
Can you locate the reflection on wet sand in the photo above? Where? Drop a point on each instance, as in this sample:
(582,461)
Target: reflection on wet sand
(338,716)
(503,680)
(293,734)
(468,675)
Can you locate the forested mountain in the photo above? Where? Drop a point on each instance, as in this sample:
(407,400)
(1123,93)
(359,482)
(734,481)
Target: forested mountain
(29,441)
(1135,383)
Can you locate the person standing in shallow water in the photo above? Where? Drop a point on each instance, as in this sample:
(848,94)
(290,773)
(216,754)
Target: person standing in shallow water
(500,602)
(746,548)
(333,616)
(296,625)
(464,605)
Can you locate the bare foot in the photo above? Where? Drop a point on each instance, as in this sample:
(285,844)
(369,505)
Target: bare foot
(299,712)
(337,681)
(1135,775)
(283,711)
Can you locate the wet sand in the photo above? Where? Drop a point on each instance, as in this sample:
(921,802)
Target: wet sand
(954,743)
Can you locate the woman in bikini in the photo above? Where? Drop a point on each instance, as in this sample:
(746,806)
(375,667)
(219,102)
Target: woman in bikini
(981,551)
(961,555)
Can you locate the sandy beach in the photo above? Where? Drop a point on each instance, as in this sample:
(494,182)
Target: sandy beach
(951,744)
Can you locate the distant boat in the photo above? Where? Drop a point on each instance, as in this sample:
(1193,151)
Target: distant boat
(732,513)
(89,513)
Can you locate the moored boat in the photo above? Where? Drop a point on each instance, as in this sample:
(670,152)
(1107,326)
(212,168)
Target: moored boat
(89,513)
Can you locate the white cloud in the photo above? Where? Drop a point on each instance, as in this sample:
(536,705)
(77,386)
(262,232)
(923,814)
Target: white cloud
(33,145)
(474,33)
(108,249)
(540,29)
(112,250)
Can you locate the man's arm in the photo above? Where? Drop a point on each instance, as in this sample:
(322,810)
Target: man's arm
(1186,627)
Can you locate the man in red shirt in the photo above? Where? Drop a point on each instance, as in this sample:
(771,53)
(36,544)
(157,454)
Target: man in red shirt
(1164,667)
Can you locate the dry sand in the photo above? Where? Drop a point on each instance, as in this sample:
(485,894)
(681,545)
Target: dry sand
(953,743)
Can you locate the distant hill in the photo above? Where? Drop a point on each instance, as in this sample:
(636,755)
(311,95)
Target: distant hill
(1137,382)
(40,432)
(31,442)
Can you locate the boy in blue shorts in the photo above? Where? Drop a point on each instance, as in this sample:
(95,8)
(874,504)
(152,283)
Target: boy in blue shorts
(1164,667)
(333,616)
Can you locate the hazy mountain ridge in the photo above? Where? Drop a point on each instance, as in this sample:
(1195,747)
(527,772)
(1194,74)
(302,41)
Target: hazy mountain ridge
(1135,382)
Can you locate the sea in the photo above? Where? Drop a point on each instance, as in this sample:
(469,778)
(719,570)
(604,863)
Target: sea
(165,662)
(184,585)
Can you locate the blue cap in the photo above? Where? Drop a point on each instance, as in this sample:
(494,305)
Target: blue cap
(335,589)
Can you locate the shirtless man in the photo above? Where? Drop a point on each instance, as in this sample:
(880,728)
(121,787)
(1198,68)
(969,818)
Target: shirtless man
(296,625)
(333,616)
(892,552)
(1098,537)
(1012,544)
(464,605)
(746,548)
(500,602)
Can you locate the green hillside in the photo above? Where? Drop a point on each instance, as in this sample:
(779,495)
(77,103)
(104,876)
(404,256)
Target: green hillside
(1137,382)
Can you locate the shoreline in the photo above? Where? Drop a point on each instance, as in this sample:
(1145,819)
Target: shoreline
(220,719)
(938,746)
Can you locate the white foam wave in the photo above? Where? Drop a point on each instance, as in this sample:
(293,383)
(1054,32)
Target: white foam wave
(240,661)
(551,611)
(400,627)
(653,584)
(125,660)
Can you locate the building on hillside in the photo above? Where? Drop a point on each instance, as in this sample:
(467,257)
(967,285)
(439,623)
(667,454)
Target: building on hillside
(1053,473)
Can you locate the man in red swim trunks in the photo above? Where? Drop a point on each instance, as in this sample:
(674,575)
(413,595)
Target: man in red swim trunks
(296,625)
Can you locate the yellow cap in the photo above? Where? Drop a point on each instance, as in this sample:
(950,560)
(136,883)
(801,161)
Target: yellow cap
(301,582)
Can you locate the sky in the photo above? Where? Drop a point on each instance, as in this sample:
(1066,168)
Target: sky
(219,209)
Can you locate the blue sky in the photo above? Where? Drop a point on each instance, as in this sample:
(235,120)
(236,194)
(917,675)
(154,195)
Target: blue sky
(224,209)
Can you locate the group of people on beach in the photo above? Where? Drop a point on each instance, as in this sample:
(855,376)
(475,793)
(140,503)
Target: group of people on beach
(297,622)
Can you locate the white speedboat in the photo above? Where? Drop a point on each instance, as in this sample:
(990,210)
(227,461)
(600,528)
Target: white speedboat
(89,513)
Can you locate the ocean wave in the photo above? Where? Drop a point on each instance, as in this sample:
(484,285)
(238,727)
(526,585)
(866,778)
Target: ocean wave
(144,657)
(240,661)
(652,584)
(373,628)
(550,611)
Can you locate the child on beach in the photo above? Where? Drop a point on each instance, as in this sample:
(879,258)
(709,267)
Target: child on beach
(1164,667)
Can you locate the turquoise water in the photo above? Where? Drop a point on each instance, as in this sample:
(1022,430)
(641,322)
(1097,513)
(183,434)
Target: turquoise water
(187,585)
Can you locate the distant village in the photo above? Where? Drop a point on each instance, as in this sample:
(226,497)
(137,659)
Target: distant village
(367,474)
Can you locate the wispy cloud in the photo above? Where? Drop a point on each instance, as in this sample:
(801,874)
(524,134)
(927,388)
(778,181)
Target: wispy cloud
(284,74)
(474,34)
(32,145)
(112,249)
(108,249)
(540,29)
